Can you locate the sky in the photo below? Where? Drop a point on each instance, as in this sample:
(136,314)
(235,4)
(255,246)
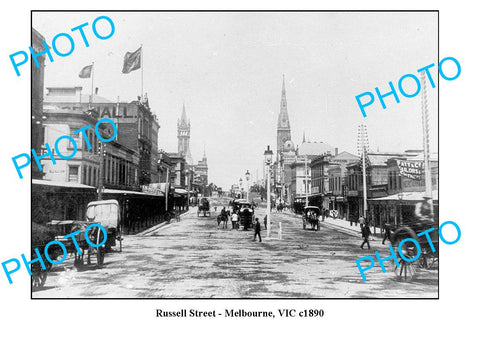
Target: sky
(227,68)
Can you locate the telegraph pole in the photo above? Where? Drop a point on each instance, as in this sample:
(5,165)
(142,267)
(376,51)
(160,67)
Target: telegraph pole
(100,179)
(306,181)
(362,150)
(426,142)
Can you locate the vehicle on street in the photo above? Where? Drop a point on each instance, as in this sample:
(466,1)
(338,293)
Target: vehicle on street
(95,236)
(310,216)
(245,210)
(106,213)
(203,207)
(427,258)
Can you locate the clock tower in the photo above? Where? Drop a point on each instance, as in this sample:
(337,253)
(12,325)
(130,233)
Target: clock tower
(183,135)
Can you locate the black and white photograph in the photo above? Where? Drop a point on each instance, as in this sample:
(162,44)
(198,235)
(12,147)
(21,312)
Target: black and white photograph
(239,170)
(241,165)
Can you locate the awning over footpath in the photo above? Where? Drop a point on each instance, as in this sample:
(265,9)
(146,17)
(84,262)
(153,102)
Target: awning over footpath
(61,184)
(127,192)
(407,197)
(157,189)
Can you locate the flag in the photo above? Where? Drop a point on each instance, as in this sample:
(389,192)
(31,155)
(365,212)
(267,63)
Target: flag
(132,61)
(86,72)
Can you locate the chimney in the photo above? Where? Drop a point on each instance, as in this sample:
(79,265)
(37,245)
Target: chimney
(336,151)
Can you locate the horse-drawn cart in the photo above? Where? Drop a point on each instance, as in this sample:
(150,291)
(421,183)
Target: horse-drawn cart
(310,216)
(246,212)
(95,236)
(203,207)
(414,258)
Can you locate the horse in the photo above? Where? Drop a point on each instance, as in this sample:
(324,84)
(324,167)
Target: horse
(222,218)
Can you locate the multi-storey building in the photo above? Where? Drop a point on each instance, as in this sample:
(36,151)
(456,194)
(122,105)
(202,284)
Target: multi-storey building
(405,188)
(328,180)
(38,76)
(130,160)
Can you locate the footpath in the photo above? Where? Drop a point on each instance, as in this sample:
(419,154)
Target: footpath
(345,227)
(155,228)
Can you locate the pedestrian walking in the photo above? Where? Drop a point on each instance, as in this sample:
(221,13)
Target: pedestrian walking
(387,234)
(265,222)
(365,234)
(257,228)
(234,220)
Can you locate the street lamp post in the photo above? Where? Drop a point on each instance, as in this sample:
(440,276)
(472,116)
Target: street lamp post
(240,181)
(189,172)
(247,177)
(268,154)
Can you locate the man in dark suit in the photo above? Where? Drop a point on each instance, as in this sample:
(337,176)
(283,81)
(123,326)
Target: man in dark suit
(257,228)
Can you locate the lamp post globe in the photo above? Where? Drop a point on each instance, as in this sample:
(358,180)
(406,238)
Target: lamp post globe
(247,177)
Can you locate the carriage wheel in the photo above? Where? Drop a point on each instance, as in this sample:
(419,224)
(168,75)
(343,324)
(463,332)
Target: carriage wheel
(39,278)
(407,270)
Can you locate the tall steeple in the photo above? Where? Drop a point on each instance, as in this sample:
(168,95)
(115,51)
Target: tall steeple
(183,120)
(183,130)
(283,125)
(283,121)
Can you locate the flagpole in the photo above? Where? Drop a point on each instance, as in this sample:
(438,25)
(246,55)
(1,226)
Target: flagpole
(141,56)
(91,96)
(118,114)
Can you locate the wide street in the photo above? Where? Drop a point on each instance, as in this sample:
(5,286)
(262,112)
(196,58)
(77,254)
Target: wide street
(194,259)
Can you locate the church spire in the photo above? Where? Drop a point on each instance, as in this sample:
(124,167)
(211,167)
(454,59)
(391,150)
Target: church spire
(283,125)
(183,119)
(283,122)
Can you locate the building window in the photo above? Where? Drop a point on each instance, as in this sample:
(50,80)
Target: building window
(84,175)
(75,137)
(73,173)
